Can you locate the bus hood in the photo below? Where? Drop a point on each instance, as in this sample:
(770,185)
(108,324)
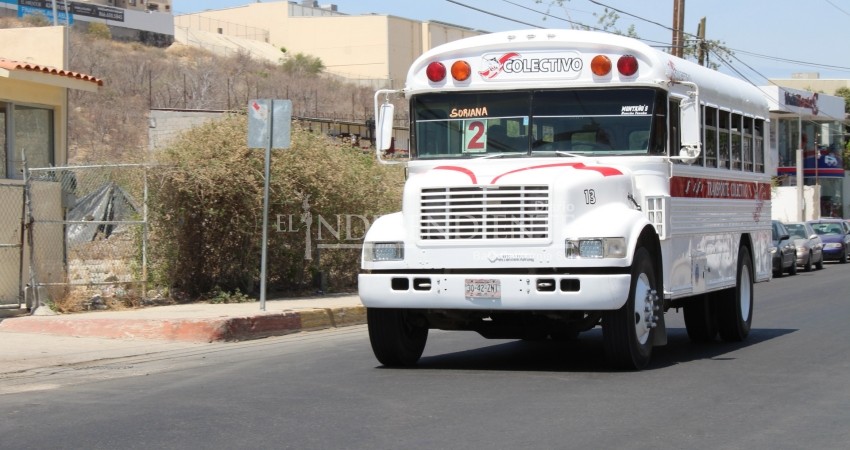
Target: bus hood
(510,172)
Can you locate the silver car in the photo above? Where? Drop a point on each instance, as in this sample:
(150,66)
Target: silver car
(808,243)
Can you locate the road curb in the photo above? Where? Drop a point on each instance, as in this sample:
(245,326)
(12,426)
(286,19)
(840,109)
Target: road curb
(190,330)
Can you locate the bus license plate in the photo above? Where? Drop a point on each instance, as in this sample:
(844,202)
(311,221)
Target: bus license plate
(483,288)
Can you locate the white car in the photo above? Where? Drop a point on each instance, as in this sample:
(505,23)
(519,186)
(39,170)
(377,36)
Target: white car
(809,245)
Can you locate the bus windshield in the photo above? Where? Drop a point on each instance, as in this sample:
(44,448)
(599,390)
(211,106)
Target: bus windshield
(533,123)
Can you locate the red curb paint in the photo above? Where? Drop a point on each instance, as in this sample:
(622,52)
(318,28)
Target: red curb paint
(191,330)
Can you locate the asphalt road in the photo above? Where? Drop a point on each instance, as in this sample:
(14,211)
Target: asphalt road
(786,387)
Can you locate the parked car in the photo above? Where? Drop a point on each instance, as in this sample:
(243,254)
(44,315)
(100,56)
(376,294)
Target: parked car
(783,250)
(835,235)
(809,245)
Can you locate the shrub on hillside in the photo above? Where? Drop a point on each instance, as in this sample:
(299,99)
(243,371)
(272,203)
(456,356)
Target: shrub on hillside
(206,210)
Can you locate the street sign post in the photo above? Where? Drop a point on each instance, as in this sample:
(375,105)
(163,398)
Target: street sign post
(269,123)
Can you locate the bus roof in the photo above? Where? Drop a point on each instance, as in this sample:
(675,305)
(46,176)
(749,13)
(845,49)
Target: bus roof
(555,58)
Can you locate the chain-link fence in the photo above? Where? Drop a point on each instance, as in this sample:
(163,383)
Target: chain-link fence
(88,234)
(11,243)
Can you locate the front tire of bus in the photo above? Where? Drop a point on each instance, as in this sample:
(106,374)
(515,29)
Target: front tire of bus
(397,337)
(628,332)
(735,308)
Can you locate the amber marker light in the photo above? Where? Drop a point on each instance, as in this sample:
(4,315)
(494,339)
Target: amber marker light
(600,65)
(461,70)
(436,71)
(627,65)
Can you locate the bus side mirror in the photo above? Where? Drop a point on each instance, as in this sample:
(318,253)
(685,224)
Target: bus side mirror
(384,127)
(689,120)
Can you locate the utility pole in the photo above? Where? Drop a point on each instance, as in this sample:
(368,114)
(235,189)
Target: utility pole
(701,42)
(55,12)
(678,28)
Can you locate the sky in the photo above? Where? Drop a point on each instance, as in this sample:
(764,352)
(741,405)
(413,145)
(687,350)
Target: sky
(771,39)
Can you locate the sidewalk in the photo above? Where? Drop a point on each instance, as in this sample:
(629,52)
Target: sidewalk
(69,338)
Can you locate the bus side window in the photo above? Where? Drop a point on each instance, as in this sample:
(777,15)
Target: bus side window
(748,144)
(758,137)
(710,136)
(735,140)
(723,132)
(675,138)
(658,137)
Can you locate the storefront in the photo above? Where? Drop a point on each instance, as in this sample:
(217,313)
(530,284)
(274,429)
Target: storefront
(813,123)
(34,87)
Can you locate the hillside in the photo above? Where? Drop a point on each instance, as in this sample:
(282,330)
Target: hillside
(112,125)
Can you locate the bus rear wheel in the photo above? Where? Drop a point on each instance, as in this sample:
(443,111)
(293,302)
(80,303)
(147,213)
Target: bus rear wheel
(627,333)
(397,337)
(735,307)
(701,318)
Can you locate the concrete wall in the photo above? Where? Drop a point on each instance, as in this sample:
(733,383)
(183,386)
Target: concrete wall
(166,125)
(784,203)
(435,33)
(373,47)
(42,45)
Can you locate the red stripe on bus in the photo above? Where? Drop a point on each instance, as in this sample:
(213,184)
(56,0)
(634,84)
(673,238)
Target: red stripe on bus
(461,170)
(605,171)
(695,187)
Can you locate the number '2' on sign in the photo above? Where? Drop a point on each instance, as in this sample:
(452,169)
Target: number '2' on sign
(474,136)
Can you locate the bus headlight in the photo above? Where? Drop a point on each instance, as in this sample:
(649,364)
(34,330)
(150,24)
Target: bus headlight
(383,251)
(596,248)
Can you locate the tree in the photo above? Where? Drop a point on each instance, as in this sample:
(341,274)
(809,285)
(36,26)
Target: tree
(99,30)
(844,92)
(302,64)
(37,20)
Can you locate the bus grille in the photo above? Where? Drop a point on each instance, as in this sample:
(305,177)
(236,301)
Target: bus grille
(484,212)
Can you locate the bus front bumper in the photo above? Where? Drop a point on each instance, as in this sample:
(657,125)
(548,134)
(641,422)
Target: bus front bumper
(494,292)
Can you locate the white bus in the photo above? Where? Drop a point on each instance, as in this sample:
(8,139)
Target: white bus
(561,180)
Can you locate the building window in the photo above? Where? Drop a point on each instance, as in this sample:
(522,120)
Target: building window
(25,130)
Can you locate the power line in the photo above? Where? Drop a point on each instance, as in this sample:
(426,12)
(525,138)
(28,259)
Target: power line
(492,14)
(636,17)
(571,22)
(793,61)
(810,64)
(579,24)
(664,44)
(836,7)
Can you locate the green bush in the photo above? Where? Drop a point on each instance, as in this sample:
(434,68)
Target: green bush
(99,31)
(206,210)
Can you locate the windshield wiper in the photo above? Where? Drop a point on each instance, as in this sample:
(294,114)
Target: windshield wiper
(563,153)
(502,155)
(490,156)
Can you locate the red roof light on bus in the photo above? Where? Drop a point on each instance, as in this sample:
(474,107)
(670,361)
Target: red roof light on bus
(436,71)
(600,65)
(461,70)
(627,65)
